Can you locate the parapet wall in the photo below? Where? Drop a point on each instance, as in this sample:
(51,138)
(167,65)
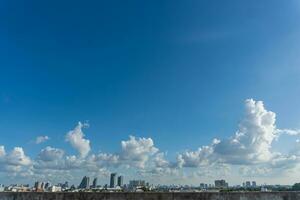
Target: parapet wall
(151,196)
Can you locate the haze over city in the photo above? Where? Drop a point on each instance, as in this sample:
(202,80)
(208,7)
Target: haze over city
(171,92)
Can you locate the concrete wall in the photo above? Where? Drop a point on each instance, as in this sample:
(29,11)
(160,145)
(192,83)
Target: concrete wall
(152,196)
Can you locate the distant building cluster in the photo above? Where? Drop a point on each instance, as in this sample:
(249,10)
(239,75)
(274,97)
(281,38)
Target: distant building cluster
(249,184)
(116,184)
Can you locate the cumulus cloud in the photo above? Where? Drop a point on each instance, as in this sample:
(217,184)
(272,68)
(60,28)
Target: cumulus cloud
(14,162)
(203,156)
(41,139)
(138,150)
(249,149)
(288,132)
(17,157)
(50,154)
(107,159)
(135,152)
(160,161)
(77,140)
(251,143)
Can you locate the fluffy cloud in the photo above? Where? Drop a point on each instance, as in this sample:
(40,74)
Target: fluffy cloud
(106,159)
(41,139)
(251,144)
(249,149)
(203,156)
(50,154)
(288,132)
(77,140)
(15,162)
(137,150)
(160,161)
(17,157)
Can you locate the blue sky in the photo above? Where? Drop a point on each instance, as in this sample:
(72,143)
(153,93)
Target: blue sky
(177,72)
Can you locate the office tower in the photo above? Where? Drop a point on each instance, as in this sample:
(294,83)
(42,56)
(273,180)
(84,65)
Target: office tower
(254,184)
(85,183)
(38,186)
(94,183)
(43,185)
(120,181)
(113,178)
(1,188)
(47,185)
(248,184)
(202,185)
(221,184)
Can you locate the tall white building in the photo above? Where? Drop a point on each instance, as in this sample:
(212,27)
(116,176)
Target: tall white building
(1,188)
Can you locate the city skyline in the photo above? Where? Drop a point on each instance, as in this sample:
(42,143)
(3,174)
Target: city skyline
(168,92)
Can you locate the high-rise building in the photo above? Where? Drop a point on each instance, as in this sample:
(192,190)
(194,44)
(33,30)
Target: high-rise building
(94,183)
(248,184)
(113,177)
(38,186)
(85,183)
(254,184)
(43,185)
(47,185)
(1,188)
(221,184)
(120,181)
(202,185)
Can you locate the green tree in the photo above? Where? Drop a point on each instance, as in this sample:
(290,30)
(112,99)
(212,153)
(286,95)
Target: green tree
(296,186)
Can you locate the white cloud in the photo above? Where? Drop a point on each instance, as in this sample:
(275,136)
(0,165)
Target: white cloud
(50,154)
(41,139)
(249,149)
(77,140)
(137,150)
(288,132)
(203,156)
(251,143)
(105,159)
(17,157)
(14,162)
(160,161)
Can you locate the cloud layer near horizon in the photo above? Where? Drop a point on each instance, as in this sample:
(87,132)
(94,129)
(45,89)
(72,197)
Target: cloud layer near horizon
(249,149)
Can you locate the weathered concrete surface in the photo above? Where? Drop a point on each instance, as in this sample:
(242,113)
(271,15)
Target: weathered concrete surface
(151,196)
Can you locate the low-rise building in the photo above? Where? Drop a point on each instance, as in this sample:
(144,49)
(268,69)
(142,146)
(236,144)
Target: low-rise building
(54,188)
